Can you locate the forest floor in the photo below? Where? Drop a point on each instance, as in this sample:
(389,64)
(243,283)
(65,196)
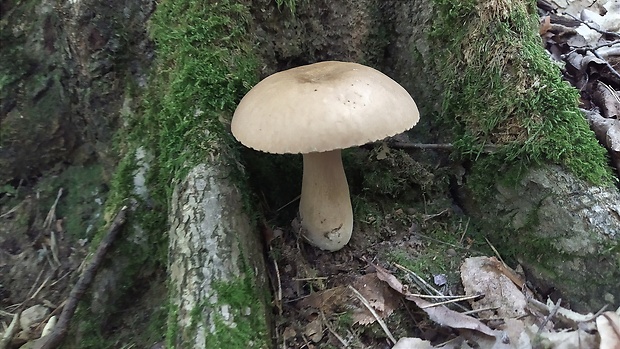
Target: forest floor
(372,293)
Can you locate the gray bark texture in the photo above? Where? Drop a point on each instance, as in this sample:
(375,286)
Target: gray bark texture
(578,224)
(212,244)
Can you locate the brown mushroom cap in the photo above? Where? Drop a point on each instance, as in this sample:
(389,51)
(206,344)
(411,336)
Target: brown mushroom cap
(321,107)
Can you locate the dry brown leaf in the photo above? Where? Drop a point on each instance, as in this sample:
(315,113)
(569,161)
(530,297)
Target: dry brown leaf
(327,301)
(380,296)
(545,25)
(390,279)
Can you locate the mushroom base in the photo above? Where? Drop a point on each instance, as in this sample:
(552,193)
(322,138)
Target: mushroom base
(325,205)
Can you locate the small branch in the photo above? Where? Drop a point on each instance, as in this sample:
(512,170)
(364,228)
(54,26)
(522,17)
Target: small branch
(489,148)
(10,331)
(54,339)
(374,313)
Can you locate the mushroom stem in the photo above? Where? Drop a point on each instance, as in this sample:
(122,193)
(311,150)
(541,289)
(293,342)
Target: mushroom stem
(325,204)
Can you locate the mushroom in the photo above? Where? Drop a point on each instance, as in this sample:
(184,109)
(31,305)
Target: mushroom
(317,110)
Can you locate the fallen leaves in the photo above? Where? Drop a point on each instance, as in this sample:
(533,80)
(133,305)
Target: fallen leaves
(584,38)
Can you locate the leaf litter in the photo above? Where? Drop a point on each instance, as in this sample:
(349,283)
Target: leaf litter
(583,38)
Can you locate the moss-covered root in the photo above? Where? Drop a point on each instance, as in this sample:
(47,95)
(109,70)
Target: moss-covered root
(502,89)
(218,299)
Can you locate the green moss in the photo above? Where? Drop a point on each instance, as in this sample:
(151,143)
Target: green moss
(246,311)
(290,4)
(502,89)
(204,68)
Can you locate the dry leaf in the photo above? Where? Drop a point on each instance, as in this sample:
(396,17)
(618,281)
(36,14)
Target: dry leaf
(545,25)
(380,296)
(439,314)
(412,343)
(480,275)
(608,325)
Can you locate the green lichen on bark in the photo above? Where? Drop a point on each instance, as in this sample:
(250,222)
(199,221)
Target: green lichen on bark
(501,88)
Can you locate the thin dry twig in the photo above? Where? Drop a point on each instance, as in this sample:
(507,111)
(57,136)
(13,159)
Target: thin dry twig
(54,339)
(454,300)
(374,313)
(279,290)
(333,332)
(288,203)
(10,331)
(488,148)
(10,211)
(51,215)
(552,313)
(494,251)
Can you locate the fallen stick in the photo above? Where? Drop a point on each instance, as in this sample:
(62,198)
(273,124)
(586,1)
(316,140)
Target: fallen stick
(54,339)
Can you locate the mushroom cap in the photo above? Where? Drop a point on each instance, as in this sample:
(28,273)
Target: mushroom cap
(321,107)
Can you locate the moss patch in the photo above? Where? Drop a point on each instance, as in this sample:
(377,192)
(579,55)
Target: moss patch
(249,330)
(502,89)
(205,66)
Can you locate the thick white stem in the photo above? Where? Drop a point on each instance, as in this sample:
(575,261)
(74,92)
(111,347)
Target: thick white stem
(325,205)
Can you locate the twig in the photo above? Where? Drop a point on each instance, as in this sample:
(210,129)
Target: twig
(552,313)
(60,331)
(438,297)
(279,281)
(288,203)
(421,282)
(10,211)
(51,215)
(451,301)
(488,148)
(333,332)
(474,311)
(425,285)
(374,313)
(495,251)
(10,331)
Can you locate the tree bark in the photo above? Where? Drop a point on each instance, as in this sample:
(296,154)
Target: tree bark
(213,246)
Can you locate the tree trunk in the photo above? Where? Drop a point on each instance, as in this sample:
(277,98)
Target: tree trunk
(218,285)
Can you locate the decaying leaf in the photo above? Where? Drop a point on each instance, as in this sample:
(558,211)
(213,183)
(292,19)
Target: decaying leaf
(380,296)
(439,314)
(607,132)
(480,275)
(412,343)
(608,325)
